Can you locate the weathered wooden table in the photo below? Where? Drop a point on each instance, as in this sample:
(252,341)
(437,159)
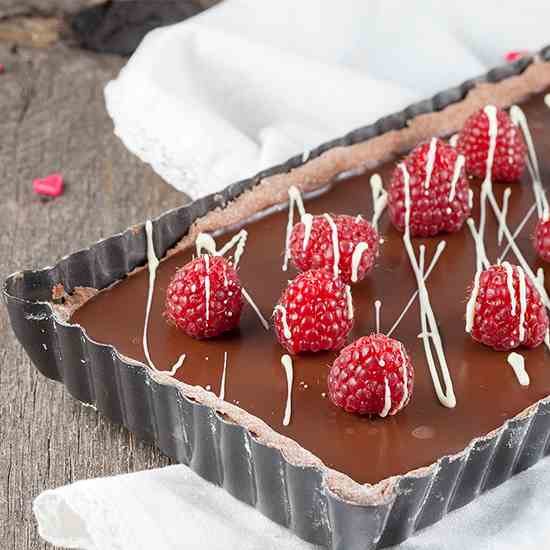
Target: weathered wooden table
(52,118)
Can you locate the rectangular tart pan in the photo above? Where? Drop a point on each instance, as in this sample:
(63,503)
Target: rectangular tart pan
(225,453)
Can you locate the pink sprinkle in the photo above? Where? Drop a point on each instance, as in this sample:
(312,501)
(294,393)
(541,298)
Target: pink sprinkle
(514,55)
(51,185)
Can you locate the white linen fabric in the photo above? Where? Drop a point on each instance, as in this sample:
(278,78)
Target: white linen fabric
(250,83)
(235,90)
(174,509)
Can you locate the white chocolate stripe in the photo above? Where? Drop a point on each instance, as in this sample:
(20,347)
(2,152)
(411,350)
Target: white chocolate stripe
(481,258)
(471,305)
(335,244)
(515,249)
(430,160)
(505,201)
(286,361)
(307,220)
(377,307)
(358,251)
(519,119)
(517,362)
(487,185)
(405,378)
(510,284)
(286,329)
(294,198)
(438,251)
(522,303)
(447,398)
(379,199)
(459,164)
(222,384)
(207,285)
(152,266)
(453,140)
(547,100)
(387,399)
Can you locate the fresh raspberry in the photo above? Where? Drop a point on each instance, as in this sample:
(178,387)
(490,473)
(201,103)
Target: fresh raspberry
(500,319)
(510,152)
(319,250)
(373,375)
(314,313)
(541,239)
(204,297)
(438,206)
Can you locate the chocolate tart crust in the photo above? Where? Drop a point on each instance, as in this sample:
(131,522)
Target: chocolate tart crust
(335,164)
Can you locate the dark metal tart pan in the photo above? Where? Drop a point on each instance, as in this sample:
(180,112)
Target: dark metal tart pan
(291,493)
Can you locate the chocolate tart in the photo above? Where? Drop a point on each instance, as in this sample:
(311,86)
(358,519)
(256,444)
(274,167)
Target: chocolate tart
(335,479)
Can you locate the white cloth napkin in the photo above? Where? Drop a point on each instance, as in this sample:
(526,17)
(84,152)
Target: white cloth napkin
(249,84)
(237,89)
(174,509)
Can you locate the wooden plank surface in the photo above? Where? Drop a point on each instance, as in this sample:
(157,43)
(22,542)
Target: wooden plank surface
(52,118)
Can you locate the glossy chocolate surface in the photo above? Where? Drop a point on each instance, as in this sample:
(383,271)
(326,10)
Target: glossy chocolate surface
(367,449)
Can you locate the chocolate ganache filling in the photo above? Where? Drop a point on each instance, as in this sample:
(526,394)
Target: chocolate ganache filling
(368,449)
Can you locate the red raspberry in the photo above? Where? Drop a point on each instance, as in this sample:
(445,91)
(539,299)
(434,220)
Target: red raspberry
(314,313)
(319,252)
(441,206)
(541,239)
(497,317)
(373,375)
(207,284)
(473,143)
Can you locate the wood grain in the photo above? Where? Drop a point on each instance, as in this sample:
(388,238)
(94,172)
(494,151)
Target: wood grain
(52,118)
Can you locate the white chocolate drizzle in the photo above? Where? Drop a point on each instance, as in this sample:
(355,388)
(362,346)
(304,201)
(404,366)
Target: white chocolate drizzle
(335,245)
(547,100)
(377,307)
(405,378)
(519,119)
(256,309)
(481,258)
(349,302)
(206,242)
(387,399)
(307,220)
(207,286)
(522,303)
(222,384)
(430,161)
(294,199)
(379,199)
(470,199)
(505,201)
(487,185)
(427,317)
(453,140)
(358,251)
(438,251)
(286,329)
(152,266)
(459,164)
(510,284)
(240,241)
(471,305)
(517,252)
(517,362)
(518,230)
(286,361)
